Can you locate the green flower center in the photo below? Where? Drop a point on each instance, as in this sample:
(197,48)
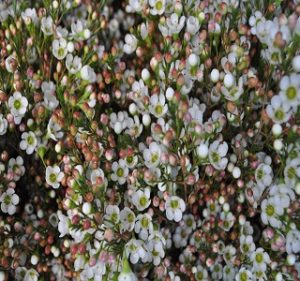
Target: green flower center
(158,5)
(174,204)
(243,276)
(199,275)
(259,258)
(114,217)
(129,159)
(17,104)
(260,174)
(120,172)
(143,201)
(291,93)
(154,157)
(53,177)
(291,173)
(158,109)
(7,200)
(245,248)
(130,218)
(144,222)
(270,210)
(215,157)
(279,114)
(61,52)
(30,140)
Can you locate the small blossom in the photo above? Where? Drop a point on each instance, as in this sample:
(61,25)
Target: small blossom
(9,200)
(28,142)
(175,206)
(54,176)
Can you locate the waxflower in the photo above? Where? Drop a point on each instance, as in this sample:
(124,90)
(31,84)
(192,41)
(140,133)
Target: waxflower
(59,48)
(141,199)
(47,25)
(9,200)
(3,125)
(149,140)
(216,154)
(18,106)
(120,171)
(157,105)
(157,7)
(29,142)
(130,44)
(54,176)
(174,206)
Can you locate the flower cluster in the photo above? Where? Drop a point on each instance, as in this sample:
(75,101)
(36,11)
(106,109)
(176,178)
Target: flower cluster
(150,140)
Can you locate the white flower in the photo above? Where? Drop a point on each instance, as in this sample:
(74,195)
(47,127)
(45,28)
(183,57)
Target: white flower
(247,245)
(292,172)
(53,130)
(260,259)
(120,171)
(79,31)
(279,111)
(229,254)
(3,125)
(112,215)
(189,223)
(152,155)
(296,63)
(174,206)
(244,275)
(227,219)
(157,7)
(141,199)
(254,20)
(136,5)
(284,193)
(232,91)
(130,44)
(293,241)
(180,237)
(216,154)
(17,104)
(50,100)
(127,218)
(143,226)
(28,142)
(228,272)
(73,64)
(135,129)
(59,48)
(47,25)
(31,275)
(290,89)
(126,273)
(29,15)
(88,74)
(264,174)
(271,209)
(201,273)
(134,248)
(175,24)
(192,25)
(156,250)
(9,200)
(16,166)
(63,224)
(97,177)
(158,106)
(54,176)
(10,63)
